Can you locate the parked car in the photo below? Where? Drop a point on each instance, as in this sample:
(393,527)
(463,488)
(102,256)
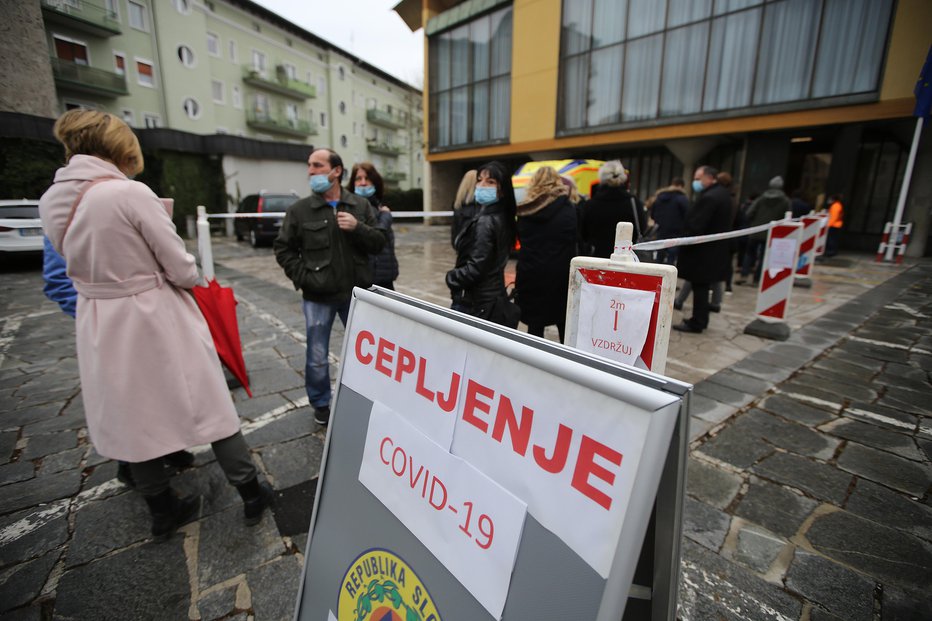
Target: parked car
(20,227)
(261,231)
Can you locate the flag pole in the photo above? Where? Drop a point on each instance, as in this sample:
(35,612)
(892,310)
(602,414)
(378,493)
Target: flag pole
(904,189)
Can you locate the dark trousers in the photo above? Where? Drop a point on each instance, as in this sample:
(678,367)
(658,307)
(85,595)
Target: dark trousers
(538,329)
(152,477)
(831,242)
(700,318)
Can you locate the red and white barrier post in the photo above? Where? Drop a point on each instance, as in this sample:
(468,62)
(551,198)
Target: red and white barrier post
(776,283)
(823,234)
(807,251)
(896,236)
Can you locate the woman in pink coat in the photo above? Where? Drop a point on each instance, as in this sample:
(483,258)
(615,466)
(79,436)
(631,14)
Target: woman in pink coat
(150,377)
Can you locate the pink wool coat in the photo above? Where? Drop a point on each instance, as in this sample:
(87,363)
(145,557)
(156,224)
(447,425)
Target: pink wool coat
(150,377)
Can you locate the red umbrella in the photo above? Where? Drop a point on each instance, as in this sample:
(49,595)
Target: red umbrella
(218,305)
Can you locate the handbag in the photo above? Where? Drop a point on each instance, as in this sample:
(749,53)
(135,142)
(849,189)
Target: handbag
(502,311)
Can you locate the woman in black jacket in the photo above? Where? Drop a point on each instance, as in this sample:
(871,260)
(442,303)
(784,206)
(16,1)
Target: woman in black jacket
(366,181)
(477,282)
(547,231)
(611,203)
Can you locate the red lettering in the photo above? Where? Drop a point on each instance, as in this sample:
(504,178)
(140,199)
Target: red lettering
(384,355)
(443,500)
(364,335)
(399,451)
(447,402)
(405,363)
(586,467)
(420,389)
(520,431)
(473,389)
(561,449)
(382,449)
(413,481)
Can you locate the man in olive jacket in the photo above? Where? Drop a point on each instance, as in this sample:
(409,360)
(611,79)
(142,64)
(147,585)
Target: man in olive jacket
(324,246)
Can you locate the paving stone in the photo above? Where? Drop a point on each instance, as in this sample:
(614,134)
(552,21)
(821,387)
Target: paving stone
(839,590)
(890,508)
(294,424)
(698,428)
(274,588)
(290,463)
(39,490)
(847,390)
(210,483)
(102,526)
(905,377)
(896,472)
(881,415)
(878,352)
(269,381)
(820,480)
(817,614)
(43,444)
(704,524)
(714,588)
(28,613)
(885,554)
(21,583)
(257,406)
(16,471)
(65,460)
(722,394)
(788,435)
(710,484)
(740,382)
(66,420)
(884,334)
(774,507)
(837,364)
(150,580)
(763,371)
(733,445)
(825,393)
(8,441)
(28,415)
(32,533)
(901,605)
(907,401)
(709,409)
(218,604)
(757,547)
(226,545)
(926,446)
(874,436)
(787,407)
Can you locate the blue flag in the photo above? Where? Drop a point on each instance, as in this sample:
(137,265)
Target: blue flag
(923,90)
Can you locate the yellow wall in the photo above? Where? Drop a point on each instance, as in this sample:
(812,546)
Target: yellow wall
(535,69)
(909,44)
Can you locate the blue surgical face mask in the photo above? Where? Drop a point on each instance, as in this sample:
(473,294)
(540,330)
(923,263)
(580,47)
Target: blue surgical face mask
(486,195)
(320,183)
(697,186)
(364,190)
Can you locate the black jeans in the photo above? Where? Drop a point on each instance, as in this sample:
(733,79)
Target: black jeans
(700,318)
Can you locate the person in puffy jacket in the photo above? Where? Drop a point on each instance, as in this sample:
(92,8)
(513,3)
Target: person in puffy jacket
(366,181)
(668,209)
(484,244)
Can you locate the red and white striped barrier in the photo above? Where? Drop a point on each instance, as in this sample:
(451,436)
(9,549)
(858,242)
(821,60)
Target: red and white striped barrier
(776,282)
(823,234)
(901,240)
(807,250)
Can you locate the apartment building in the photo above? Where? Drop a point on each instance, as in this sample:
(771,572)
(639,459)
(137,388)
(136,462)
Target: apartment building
(232,67)
(817,91)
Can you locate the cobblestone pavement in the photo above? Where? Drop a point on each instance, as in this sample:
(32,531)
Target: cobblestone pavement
(809,473)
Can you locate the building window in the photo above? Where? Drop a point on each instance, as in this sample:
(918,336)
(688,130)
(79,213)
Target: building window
(113,9)
(152,120)
(470,81)
(321,86)
(341,72)
(71,50)
(186,56)
(291,72)
(213,44)
(259,62)
(261,106)
(119,63)
(237,96)
(639,60)
(291,114)
(191,108)
(128,117)
(342,107)
(216,88)
(136,14)
(182,6)
(343,140)
(233,55)
(144,72)
(323,119)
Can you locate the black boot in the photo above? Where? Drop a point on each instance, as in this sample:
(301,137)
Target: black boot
(169,512)
(125,475)
(179,459)
(256,497)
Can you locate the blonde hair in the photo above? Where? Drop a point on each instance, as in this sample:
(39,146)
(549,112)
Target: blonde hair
(544,182)
(89,132)
(613,173)
(466,190)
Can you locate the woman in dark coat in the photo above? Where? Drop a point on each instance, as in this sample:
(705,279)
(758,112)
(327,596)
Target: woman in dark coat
(547,232)
(366,181)
(611,203)
(483,245)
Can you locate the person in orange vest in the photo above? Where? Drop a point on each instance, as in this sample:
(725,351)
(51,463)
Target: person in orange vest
(836,212)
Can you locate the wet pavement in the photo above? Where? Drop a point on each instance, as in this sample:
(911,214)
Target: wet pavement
(809,473)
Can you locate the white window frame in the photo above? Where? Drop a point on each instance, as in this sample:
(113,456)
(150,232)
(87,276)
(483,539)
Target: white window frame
(236,97)
(321,86)
(145,61)
(114,7)
(87,49)
(129,16)
(191,63)
(291,71)
(151,120)
(116,69)
(182,6)
(218,47)
(197,113)
(234,53)
(256,55)
(223,91)
(128,116)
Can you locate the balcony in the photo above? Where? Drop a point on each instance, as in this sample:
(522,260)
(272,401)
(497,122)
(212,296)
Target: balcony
(394,176)
(288,127)
(385,118)
(383,148)
(81,15)
(281,84)
(88,80)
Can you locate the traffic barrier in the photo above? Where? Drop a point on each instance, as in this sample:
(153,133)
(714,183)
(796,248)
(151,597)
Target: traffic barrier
(823,235)
(776,283)
(901,238)
(807,249)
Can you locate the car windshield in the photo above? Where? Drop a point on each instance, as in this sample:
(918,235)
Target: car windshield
(277,203)
(19,211)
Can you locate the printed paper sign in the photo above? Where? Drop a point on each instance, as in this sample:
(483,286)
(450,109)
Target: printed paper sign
(613,322)
(574,466)
(390,360)
(471,524)
(782,255)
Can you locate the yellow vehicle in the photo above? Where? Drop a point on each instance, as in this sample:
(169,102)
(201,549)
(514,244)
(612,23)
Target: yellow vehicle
(585,173)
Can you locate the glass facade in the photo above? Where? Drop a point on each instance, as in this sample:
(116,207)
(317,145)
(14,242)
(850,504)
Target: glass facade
(637,61)
(470,82)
